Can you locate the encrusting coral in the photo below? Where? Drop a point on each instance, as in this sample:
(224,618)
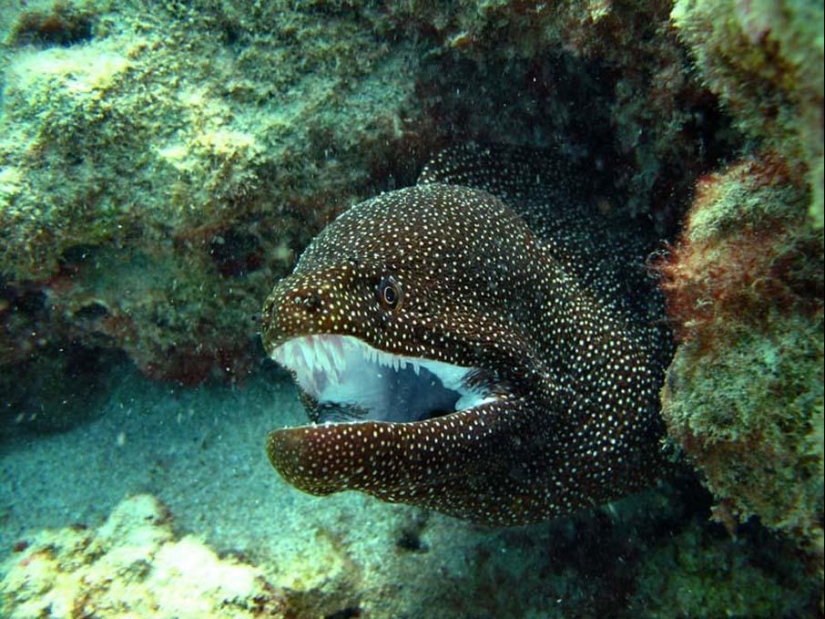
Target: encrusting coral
(744,282)
(764,59)
(156,175)
(160,168)
(744,393)
(132,566)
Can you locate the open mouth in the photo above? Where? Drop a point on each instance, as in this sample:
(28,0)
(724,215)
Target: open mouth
(349,380)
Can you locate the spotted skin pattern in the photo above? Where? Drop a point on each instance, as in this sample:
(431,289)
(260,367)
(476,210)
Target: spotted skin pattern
(564,325)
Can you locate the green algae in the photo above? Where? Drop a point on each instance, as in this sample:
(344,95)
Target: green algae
(743,395)
(174,132)
(209,144)
(700,574)
(141,131)
(747,413)
(745,285)
(765,61)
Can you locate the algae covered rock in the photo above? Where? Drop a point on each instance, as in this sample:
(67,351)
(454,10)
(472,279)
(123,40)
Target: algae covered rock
(159,171)
(744,394)
(132,566)
(765,59)
(607,81)
(161,166)
(744,282)
(702,572)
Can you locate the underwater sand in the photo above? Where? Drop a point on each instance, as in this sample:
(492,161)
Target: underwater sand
(201,451)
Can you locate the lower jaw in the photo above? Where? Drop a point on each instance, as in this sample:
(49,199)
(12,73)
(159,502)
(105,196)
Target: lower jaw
(333,412)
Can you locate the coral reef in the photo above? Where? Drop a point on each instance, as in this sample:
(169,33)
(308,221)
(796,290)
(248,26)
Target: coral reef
(746,253)
(348,555)
(655,561)
(702,572)
(607,81)
(744,394)
(131,566)
(193,150)
(162,164)
(764,59)
(158,170)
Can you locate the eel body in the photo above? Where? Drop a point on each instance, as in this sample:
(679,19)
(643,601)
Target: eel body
(486,344)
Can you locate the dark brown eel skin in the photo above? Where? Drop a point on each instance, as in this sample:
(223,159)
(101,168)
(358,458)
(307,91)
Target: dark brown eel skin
(486,343)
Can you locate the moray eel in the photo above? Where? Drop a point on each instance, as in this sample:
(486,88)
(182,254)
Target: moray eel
(485,343)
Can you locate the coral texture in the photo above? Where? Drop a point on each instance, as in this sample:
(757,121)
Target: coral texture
(132,566)
(162,164)
(764,59)
(160,168)
(744,394)
(703,573)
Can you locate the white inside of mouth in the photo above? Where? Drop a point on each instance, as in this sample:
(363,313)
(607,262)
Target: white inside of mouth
(343,371)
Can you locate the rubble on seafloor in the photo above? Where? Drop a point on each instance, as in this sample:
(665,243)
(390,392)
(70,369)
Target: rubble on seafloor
(132,566)
(136,565)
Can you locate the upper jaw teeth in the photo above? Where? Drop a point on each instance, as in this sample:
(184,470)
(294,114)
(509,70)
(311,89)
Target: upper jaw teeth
(330,355)
(385,359)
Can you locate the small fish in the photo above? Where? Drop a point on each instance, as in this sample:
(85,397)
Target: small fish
(485,343)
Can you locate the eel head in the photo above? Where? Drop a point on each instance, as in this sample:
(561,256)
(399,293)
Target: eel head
(406,326)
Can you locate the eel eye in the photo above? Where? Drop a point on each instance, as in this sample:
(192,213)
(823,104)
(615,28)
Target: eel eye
(389,293)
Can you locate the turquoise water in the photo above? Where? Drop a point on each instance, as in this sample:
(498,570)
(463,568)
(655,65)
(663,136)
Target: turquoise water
(163,166)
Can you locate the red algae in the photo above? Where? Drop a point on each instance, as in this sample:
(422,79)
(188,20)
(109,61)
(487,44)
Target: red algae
(743,396)
(733,265)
